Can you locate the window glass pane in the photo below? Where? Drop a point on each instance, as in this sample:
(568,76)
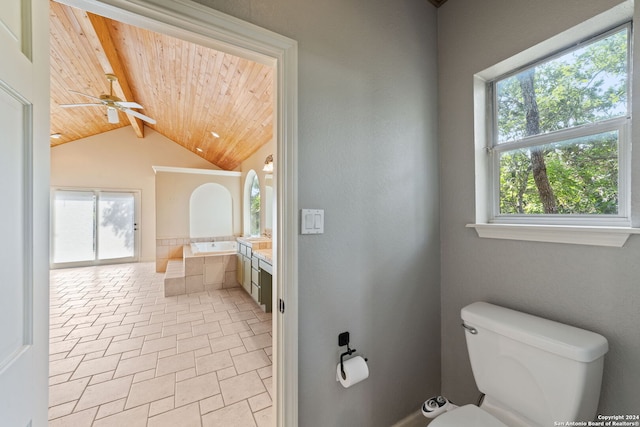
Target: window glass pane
(115,225)
(254,199)
(582,177)
(583,86)
(73,226)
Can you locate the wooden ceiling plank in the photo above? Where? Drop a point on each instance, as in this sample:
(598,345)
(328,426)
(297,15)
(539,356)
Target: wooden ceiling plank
(227,98)
(191,89)
(68,36)
(73,65)
(97,32)
(201,124)
(188,98)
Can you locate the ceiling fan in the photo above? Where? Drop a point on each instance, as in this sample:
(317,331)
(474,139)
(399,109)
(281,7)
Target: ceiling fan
(113,104)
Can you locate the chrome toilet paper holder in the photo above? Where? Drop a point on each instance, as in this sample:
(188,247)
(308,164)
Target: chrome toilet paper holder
(343,339)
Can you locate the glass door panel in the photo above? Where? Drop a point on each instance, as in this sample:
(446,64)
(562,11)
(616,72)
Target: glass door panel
(116,225)
(73,226)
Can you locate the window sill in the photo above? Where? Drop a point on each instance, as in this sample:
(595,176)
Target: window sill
(575,235)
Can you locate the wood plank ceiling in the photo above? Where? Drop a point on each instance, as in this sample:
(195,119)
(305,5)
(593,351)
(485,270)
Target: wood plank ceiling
(191,91)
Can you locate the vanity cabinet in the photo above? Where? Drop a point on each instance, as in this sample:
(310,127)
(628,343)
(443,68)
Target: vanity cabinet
(255,280)
(239,268)
(243,267)
(261,283)
(254,274)
(266,288)
(246,275)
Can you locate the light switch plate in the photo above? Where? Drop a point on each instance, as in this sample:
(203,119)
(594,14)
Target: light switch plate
(311,221)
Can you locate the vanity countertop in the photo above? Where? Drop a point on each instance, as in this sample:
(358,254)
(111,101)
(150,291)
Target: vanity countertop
(264,254)
(255,243)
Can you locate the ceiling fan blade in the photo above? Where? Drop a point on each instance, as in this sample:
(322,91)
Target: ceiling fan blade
(140,116)
(80,105)
(88,96)
(126,104)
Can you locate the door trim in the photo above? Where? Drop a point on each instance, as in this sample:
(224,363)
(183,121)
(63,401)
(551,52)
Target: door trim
(194,22)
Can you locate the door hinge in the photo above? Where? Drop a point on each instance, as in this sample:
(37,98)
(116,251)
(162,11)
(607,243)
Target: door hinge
(281,305)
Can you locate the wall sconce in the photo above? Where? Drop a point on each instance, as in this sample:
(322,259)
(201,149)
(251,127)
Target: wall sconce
(268,164)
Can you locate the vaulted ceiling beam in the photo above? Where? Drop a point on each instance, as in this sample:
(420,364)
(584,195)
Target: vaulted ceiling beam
(96,30)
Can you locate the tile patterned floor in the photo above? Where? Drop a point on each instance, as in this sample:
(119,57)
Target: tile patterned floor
(122,354)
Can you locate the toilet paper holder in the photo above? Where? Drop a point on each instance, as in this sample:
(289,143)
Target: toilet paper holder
(343,339)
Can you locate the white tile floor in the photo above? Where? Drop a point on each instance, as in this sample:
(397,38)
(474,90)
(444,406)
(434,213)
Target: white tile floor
(122,354)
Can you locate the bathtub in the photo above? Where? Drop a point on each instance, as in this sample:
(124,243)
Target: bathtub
(214,248)
(210,266)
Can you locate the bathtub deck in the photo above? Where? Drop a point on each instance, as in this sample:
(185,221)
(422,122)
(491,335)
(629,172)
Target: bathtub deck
(174,278)
(198,273)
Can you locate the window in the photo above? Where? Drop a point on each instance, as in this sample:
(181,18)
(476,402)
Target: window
(252,204)
(254,207)
(560,145)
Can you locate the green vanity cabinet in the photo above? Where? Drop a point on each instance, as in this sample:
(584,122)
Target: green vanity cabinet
(254,272)
(261,283)
(265,271)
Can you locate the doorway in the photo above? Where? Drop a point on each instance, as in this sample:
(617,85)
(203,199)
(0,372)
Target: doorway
(91,227)
(202,25)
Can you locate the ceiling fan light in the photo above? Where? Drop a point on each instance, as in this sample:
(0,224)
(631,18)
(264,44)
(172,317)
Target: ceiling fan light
(112,115)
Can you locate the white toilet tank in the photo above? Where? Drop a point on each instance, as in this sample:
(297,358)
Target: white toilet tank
(533,371)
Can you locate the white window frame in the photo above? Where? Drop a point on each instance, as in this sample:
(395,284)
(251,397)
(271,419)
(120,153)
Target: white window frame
(622,219)
(600,230)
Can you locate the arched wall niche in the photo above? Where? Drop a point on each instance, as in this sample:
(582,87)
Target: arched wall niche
(210,211)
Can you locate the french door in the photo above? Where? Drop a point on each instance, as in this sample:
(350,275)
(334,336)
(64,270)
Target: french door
(91,227)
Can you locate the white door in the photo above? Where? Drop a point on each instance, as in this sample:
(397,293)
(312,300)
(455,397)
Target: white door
(24,180)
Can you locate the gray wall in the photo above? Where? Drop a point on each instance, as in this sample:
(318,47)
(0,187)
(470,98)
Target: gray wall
(368,156)
(591,287)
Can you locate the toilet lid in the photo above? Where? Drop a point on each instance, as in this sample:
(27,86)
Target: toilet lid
(468,415)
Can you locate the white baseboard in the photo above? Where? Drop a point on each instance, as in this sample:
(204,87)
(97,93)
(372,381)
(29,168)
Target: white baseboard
(415,419)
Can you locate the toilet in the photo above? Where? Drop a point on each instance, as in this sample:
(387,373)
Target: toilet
(532,371)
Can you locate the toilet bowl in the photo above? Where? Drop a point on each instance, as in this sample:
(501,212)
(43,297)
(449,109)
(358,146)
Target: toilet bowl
(532,371)
(468,415)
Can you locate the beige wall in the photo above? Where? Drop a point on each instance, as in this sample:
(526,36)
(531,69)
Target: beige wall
(120,160)
(173,192)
